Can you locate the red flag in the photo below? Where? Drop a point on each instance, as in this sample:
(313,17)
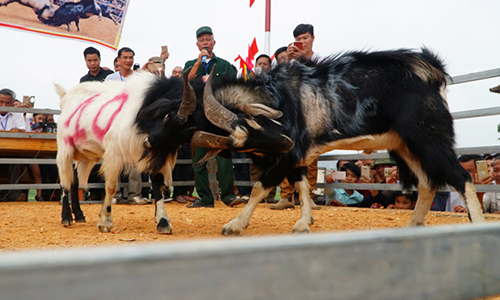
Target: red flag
(246,71)
(242,62)
(251,2)
(253,49)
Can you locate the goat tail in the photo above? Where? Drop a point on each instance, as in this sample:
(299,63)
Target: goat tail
(429,67)
(61,91)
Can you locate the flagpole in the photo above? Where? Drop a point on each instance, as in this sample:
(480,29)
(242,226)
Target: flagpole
(267,35)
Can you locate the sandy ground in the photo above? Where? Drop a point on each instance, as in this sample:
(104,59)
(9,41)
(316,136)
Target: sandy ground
(37,225)
(104,30)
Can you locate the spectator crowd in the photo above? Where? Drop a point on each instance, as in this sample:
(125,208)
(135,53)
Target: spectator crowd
(367,171)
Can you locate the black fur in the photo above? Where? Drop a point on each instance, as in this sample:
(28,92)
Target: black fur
(367,93)
(72,12)
(356,93)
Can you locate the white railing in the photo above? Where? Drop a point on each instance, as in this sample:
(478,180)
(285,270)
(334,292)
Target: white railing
(456,116)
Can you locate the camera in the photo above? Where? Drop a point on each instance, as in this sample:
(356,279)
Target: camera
(388,172)
(46,127)
(338,175)
(298,45)
(28,100)
(365,171)
(50,127)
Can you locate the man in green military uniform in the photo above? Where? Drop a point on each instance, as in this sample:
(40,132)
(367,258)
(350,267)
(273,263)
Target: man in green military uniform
(202,66)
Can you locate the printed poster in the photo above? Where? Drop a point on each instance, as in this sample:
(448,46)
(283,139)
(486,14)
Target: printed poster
(98,21)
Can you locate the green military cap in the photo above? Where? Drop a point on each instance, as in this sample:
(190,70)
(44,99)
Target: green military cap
(204,29)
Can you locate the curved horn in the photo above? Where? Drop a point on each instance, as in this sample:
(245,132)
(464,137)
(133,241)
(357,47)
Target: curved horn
(188,104)
(209,140)
(214,111)
(255,109)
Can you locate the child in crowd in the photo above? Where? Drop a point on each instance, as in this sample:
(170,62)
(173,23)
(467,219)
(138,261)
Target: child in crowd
(341,197)
(403,201)
(36,123)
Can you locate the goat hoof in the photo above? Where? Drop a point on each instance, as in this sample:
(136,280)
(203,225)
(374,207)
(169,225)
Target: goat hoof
(105,226)
(301,227)
(410,225)
(66,223)
(80,220)
(315,207)
(164,227)
(232,228)
(104,229)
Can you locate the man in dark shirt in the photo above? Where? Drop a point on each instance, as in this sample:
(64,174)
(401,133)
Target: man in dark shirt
(96,73)
(93,61)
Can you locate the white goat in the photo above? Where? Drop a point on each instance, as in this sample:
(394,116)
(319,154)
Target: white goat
(99,121)
(43,8)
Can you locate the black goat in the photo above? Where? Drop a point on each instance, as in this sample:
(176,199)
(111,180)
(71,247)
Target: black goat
(73,12)
(392,100)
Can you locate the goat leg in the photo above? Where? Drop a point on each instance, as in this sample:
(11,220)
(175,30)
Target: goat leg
(105,218)
(66,216)
(238,224)
(163,225)
(75,201)
(474,207)
(306,218)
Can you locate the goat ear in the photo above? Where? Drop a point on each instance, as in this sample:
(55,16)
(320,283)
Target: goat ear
(255,109)
(160,107)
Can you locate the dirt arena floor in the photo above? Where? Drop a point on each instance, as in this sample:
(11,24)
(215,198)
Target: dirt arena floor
(104,30)
(36,225)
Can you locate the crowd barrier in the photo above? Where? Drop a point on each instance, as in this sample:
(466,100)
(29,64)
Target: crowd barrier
(213,181)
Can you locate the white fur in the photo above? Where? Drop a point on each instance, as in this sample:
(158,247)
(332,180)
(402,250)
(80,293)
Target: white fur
(121,146)
(37,5)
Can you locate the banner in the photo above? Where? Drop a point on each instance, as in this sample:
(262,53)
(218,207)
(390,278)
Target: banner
(98,21)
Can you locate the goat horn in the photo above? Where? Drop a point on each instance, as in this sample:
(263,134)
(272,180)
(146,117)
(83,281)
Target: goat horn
(210,140)
(214,111)
(210,154)
(188,104)
(255,109)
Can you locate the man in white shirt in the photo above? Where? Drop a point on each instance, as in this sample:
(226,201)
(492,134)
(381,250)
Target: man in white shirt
(126,61)
(11,122)
(302,48)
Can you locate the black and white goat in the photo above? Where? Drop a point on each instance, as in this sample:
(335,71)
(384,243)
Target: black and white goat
(101,121)
(72,12)
(367,101)
(43,8)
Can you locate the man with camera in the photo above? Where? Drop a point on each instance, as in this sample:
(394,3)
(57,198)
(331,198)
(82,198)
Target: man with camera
(301,49)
